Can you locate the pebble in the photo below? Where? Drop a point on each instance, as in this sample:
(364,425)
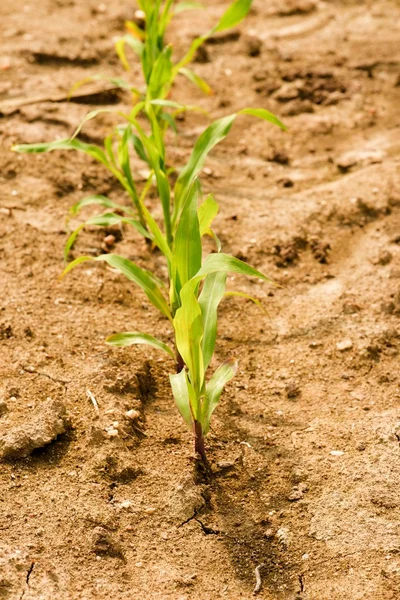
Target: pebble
(133,414)
(112,432)
(295,494)
(109,240)
(344,345)
(269,533)
(336,453)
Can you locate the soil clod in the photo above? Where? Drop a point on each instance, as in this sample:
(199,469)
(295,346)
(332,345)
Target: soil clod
(38,431)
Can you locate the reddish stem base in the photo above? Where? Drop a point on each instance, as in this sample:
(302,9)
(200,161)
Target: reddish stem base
(199,446)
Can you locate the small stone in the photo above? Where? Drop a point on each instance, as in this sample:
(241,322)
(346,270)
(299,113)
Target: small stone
(288,91)
(150,510)
(292,390)
(126,504)
(139,18)
(315,345)
(112,432)
(133,415)
(336,453)
(109,240)
(295,494)
(226,465)
(344,345)
(269,533)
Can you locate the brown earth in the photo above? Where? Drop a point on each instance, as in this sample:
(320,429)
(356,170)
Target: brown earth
(305,443)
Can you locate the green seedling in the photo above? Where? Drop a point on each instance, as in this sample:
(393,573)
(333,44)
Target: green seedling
(159,68)
(196,283)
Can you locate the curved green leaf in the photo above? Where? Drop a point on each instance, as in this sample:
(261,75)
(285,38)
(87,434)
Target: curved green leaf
(66,144)
(235,13)
(144,279)
(207,212)
(180,389)
(261,113)
(228,264)
(187,243)
(188,325)
(99,200)
(209,299)
(214,387)
(211,136)
(130,338)
(197,80)
(136,45)
(248,297)
(182,6)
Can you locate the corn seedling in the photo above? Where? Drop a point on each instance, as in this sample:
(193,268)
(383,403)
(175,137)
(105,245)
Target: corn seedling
(196,286)
(156,57)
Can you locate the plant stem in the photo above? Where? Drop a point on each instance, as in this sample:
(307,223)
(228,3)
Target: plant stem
(199,447)
(179,362)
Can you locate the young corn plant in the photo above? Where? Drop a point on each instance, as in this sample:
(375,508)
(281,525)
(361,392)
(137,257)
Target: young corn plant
(196,283)
(159,73)
(159,68)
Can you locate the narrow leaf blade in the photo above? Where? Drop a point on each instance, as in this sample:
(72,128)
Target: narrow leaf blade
(222,375)
(179,385)
(235,13)
(130,338)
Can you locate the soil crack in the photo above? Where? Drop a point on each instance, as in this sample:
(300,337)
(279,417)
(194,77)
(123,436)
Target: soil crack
(28,575)
(207,530)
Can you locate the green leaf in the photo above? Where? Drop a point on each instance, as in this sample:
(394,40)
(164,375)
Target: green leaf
(161,75)
(66,144)
(214,387)
(91,115)
(99,200)
(187,6)
(248,297)
(211,136)
(197,80)
(71,241)
(187,244)
(207,212)
(180,389)
(130,338)
(216,239)
(228,264)
(109,219)
(209,299)
(235,13)
(144,279)
(188,325)
(170,120)
(261,113)
(132,42)
(135,30)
